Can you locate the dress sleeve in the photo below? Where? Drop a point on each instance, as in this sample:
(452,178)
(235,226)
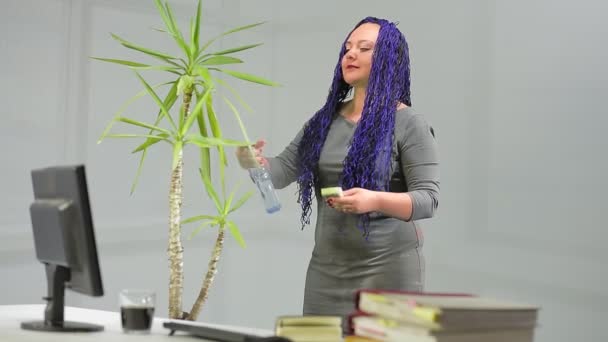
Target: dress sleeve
(420,167)
(284,167)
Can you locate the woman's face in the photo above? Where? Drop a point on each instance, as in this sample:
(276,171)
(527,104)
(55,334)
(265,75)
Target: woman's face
(357,60)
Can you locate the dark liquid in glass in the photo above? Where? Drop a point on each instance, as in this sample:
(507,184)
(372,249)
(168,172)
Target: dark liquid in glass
(136,318)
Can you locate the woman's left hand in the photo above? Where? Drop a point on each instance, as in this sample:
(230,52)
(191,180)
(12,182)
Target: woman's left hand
(355,201)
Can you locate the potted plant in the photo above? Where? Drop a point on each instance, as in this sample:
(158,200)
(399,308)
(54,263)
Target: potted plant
(192,84)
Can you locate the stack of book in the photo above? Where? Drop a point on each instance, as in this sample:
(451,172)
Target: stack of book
(434,317)
(310,328)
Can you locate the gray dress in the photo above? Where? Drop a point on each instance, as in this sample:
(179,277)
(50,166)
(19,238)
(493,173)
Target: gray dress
(342,260)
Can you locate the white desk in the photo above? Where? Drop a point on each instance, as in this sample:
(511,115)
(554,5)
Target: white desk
(11,317)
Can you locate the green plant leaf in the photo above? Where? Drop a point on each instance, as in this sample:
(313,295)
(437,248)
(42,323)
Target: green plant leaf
(139,168)
(228,201)
(163,56)
(205,75)
(241,28)
(213,122)
(195,32)
(141,66)
(174,70)
(142,124)
(151,141)
(121,61)
(205,153)
(131,136)
(203,225)
(229,32)
(176,34)
(159,30)
(198,218)
(172,22)
(232,50)
(180,84)
(211,141)
(163,14)
(211,191)
(247,77)
(124,106)
(236,234)
(160,103)
(220,60)
(169,20)
(168,102)
(238,119)
(198,142)
(206,160)
(241,201)
(106,130)
(182,114)
(217,133)
(234,92)
(191,46)
(197,109)
(177,153)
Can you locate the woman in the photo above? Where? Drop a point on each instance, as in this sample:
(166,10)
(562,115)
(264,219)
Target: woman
(383,154)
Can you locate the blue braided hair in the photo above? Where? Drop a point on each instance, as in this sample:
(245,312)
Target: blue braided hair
(367,164)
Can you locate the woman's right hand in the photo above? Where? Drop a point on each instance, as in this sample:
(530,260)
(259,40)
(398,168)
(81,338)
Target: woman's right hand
(247,160)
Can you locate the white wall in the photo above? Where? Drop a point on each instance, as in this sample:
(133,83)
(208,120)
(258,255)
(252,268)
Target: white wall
(513,90)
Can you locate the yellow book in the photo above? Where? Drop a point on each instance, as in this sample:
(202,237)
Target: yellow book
(310,328)
(310,320)
(311,333)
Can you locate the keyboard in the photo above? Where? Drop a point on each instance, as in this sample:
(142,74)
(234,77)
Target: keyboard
(217,334)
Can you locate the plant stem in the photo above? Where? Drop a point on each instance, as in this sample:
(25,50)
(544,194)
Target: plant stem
(209,277)
(175,249)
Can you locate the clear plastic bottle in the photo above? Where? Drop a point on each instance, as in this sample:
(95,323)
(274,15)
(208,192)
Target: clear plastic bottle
(261,177)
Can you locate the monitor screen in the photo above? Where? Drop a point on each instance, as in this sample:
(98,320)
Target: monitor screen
(69,184)
(64,240)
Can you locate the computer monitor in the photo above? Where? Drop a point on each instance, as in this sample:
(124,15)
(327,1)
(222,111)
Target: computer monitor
(65,242)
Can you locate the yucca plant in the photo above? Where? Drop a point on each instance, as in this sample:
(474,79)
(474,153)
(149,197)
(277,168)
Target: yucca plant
(191,81)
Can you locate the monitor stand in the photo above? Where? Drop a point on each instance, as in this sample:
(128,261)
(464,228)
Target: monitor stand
(56,277)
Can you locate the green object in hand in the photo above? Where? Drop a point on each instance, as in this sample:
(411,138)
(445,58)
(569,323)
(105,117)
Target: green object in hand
(331,192)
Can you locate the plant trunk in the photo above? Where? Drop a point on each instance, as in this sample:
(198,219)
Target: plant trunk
(211,272)
(175,249)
